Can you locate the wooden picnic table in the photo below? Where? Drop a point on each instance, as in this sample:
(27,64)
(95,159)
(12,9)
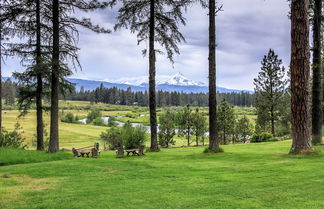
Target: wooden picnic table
(85,153)
(133,151)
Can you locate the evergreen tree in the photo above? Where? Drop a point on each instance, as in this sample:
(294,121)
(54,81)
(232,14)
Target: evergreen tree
(225,120)
(31,22)
(199,124)
(185,122)
(270,86)
(167,128)
(244,128)
(317,73)
(9,93)
(155,21)
(300,69)
(213,135)
(64,50)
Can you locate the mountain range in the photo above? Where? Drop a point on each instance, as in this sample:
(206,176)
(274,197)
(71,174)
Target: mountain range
(177,82)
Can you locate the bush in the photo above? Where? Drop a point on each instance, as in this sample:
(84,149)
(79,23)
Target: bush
(112,122)
(133,137)
(128,136)
(113,138)
(69,118)
(262,137)
(12,139)
(98,122)
(93,114)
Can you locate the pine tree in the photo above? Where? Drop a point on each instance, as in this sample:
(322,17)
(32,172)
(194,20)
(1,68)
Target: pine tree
(167,128)
(155,21)
(270,86)
(225,120)
(199,125)
(300,69)
(185,122)
(213,135)
(31,22)
(64,45)
(244,128)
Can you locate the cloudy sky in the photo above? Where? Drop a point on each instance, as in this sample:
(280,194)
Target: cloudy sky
(246,29)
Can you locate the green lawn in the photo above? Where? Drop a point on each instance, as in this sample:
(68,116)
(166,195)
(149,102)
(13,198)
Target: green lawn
(10,156)
(245,176)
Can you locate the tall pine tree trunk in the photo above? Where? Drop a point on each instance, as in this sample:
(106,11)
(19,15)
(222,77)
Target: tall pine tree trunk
(317,73)
(213,138)
(39,91)
(300,68)
(54,132)
(152,72)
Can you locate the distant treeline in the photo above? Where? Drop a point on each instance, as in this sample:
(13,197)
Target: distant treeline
(164,98)
(129,97)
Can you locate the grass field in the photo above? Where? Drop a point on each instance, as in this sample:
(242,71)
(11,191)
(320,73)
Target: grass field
(244,176)
(79,135)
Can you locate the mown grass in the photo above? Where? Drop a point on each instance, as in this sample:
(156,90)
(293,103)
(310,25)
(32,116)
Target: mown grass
(244,176)
(9,156)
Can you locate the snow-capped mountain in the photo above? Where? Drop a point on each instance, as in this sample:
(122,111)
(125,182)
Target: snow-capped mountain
(180,80)
(174,80)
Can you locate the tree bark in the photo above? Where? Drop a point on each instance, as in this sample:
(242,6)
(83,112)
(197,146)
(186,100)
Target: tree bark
(152,72)
(39,91)
(300,68)
(213,138)
(54,132)
(317,73)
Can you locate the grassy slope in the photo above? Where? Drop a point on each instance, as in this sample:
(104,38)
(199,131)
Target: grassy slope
(245,176)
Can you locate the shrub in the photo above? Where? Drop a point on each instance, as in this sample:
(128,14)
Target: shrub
(98,122)
(112,122)
(93,114)
(113,138)
(12,139)
(69,118)
(262,137)
(133,137)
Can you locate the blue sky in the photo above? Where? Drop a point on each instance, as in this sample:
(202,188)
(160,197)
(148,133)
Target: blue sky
(246,29)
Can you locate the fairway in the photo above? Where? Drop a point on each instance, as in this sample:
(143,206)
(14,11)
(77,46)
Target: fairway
(244,176)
